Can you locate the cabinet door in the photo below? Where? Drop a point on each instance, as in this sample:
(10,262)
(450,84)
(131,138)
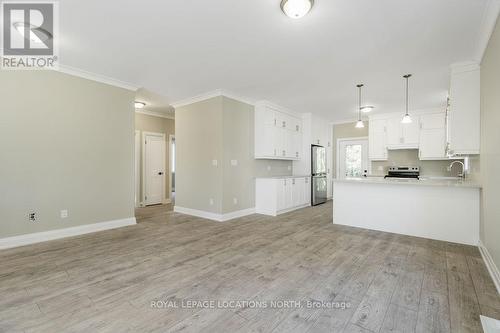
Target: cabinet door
(377,140)
(432,144)
(298,191)
(307,190)
(288,193)
(433,121)
(411,132)
(394,132)
(281,187)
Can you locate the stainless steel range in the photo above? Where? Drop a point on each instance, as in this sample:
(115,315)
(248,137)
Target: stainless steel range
(403,172)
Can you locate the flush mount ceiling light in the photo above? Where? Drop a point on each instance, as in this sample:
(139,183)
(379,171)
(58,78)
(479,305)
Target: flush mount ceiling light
(359,123)
(296,8)
(36,34)
(367,108)
(406,118)
(139,105)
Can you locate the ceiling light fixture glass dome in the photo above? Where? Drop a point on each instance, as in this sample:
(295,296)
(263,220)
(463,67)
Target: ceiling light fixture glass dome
(139,105)
(367,108)
(296,8)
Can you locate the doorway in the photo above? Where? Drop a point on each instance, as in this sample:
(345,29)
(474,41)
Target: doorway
(352,157)
(153,168)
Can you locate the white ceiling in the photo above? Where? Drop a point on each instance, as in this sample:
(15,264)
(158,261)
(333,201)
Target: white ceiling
(183,48)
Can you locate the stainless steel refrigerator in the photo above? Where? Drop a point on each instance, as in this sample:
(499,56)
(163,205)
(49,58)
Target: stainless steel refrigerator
(319,179)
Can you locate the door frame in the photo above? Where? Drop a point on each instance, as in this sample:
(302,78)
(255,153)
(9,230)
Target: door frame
(137,169)
(143,147)
(337,153)
(170,159)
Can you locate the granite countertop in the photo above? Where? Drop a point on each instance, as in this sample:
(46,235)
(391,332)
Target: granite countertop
(424,181)
(283,177)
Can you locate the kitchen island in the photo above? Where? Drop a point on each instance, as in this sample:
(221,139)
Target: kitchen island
(442,209)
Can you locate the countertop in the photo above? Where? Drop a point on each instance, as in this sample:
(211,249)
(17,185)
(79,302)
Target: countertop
(424,181)
(283,177)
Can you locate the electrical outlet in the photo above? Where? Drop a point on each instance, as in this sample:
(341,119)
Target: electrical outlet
(32,217)
(235,201)
(211,202)
(64,213)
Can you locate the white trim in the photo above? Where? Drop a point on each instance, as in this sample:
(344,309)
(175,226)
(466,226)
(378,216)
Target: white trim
(154,114)
(212,94)
(490,16)
(171,137)
(96,77)
(214,216)
(342,122)
(490,264)
(137,168)
(38,237)
(143,147)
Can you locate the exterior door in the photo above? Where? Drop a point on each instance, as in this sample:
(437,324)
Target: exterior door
(154,168)
(353,158)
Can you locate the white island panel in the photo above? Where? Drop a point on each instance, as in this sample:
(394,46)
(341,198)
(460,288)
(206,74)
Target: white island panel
(448,213)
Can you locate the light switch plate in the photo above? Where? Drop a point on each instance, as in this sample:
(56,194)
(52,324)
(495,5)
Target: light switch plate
(235,201)
(268,168)
(214,162)
(234,162)
(211,201)
(64,213)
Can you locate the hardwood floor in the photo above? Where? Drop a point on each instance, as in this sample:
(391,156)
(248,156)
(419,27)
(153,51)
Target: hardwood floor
(368,281)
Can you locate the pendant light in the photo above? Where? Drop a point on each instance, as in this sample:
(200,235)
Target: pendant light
(406,118)
(296,8)
(359,123)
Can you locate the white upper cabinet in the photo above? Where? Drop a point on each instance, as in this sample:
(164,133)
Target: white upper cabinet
(464,125)
(403,136)
(278,134)
(427,133)
(377,140)
(433,137)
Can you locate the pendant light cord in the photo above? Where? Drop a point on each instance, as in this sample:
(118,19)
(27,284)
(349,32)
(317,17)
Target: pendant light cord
(407,76)
(359,101)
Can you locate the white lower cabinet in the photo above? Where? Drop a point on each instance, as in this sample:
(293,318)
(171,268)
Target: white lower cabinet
(274,196)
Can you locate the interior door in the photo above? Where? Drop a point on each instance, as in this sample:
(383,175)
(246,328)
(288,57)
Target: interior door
(353,158)
(154,169)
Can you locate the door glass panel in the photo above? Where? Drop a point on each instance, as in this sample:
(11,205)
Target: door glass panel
(353,161)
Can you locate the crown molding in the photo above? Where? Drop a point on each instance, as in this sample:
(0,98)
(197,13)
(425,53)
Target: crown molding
(95,77)
(154,114)
(490,16)
(212,94)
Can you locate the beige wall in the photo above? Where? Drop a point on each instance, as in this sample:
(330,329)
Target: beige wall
(65,143)
(490,142)
(147,123)
(219,129)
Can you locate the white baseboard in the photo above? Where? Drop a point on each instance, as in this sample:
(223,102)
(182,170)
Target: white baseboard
(490,264)
(38,237)
(214,216)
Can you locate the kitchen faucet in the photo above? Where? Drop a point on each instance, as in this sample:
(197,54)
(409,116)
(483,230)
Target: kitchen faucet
(462,175)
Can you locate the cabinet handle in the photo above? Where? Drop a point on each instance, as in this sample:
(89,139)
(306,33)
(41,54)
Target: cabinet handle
(274,121)
(297,128)
(293,181)
(317,141)
(284,124)
(284,153)
(297,154)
